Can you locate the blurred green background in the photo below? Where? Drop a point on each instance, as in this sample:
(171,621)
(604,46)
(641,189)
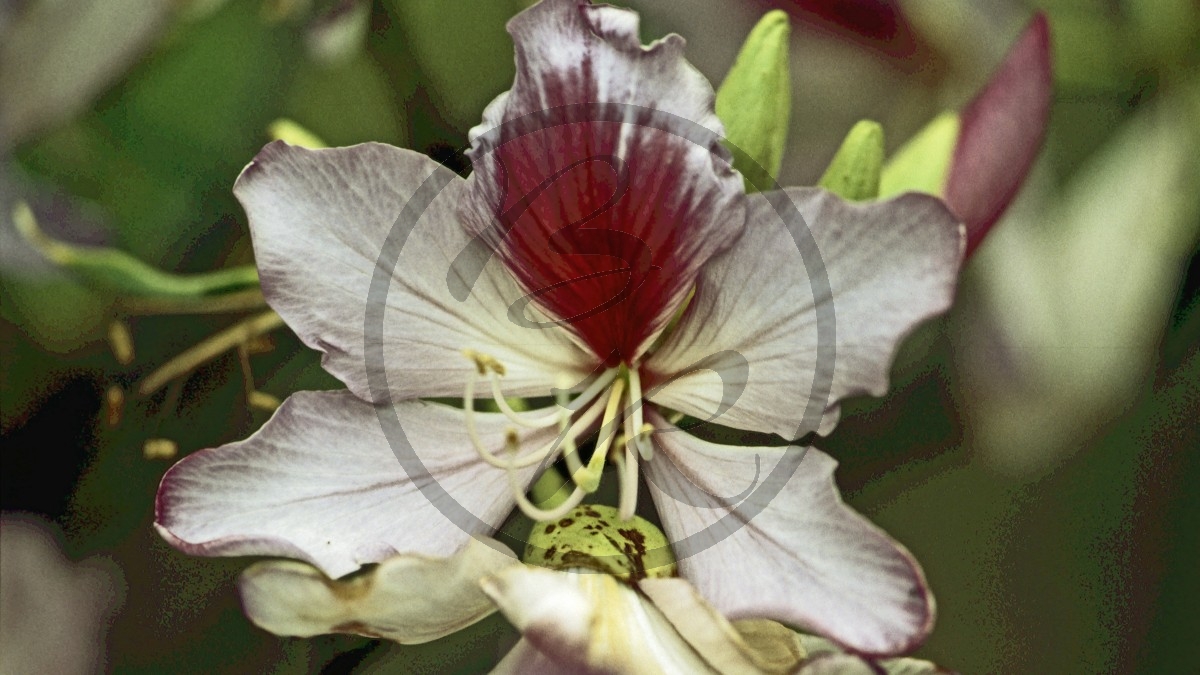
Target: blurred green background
(1039,449)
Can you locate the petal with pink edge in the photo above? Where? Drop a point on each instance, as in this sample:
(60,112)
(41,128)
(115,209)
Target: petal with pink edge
(525,659)
(790,550)
(589,622)
(321,482)
(764,647)
(326,222)
(824,657)
(775,337)
(599,177)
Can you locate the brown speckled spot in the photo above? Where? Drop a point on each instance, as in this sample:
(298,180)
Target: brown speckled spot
(550,528)
(566,522)
(636,538)
(549,555)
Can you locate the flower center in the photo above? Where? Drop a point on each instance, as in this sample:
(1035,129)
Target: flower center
(595,537)
(614,397)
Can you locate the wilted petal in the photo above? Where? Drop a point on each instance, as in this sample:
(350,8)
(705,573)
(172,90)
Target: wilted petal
(589,622)
(320,482)
(791,550)
(761,311)
(773,650)
(408,598)
(1001,134)
(599,176)
(838,663)
(525,659)
(320,219)
(824,657)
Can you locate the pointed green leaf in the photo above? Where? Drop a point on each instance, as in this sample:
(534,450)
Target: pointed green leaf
(288,131)
(755,102)
(922,164)
(853,173)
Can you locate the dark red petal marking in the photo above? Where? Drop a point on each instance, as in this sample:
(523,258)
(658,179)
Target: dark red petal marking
(595,187)
(1002,132)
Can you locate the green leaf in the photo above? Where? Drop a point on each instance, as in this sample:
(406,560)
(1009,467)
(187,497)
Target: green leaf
(922,164)
(755,101)
(461,45)
(346,103)
(854,172)
(116,270)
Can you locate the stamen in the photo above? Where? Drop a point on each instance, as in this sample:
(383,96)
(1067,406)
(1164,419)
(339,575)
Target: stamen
(593,390)
(535,423)
(636,403)
(635,397)
(642,442)
(527,507)
(568,440)
(627,469)
(483,362)
(472,432)
(589,478)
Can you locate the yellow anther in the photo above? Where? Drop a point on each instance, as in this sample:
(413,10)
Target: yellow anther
(484,363)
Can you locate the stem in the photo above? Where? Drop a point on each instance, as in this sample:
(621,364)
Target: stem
(237,301)
(209,349)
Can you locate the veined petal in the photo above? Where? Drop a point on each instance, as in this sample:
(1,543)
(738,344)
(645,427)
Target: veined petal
(320,482)
(716,639)
(789,551)
(319,221)
(599,177)
(409,598)
(887,266)
(589,622)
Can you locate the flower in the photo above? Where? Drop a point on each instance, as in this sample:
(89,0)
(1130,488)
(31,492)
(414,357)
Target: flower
(600,202)
(594,610)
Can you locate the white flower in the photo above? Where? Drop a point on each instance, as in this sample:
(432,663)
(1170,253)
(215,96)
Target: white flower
(600,200)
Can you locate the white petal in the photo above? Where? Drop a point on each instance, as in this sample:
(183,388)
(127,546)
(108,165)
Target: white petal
(758,543)
(589,621)
(319,221)
(409,598)
(620,139)
(320,482)
(762,309)
(837,664)
(525,659)
(824,658)
(715,638)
